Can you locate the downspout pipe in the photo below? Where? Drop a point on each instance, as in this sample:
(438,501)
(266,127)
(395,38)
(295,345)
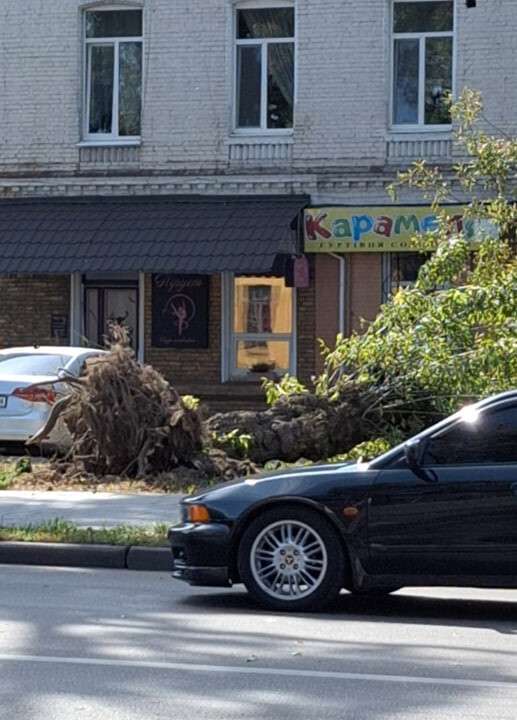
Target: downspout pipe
(342,292)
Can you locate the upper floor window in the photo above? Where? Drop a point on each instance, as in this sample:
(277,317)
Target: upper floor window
(113,74)
(423,35)
(264,68)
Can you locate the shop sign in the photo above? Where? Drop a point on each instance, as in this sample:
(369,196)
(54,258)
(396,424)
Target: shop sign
(180,311)
(372,229)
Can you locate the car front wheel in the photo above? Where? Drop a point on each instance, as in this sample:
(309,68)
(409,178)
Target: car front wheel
(291,559)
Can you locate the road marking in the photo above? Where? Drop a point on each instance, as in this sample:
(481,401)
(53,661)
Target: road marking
(285,672)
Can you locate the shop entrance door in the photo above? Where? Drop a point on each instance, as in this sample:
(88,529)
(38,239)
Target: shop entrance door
(106,306)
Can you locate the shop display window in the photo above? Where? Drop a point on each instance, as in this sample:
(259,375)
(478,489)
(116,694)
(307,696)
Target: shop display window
(262,327)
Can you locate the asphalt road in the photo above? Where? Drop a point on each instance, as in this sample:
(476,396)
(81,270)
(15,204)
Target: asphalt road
(94,644)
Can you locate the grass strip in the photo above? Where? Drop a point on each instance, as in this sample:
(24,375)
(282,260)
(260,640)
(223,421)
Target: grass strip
(62,531)
(10,472)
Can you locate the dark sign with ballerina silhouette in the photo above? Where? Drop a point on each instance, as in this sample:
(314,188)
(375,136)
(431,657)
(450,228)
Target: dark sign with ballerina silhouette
(180,311)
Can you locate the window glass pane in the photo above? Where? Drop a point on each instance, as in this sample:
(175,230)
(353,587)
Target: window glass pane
(280,91)
(492,439)
(92,317)
(262,305)
(130,87)
(101,88)
(121,308)
(438,79)
(423,16)
(405,82)
(32,364)
(265,23)
(262,356)
(248,85)
(114,23)
(405,268)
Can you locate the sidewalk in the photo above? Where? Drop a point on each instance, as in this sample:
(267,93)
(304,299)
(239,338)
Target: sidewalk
(87,509)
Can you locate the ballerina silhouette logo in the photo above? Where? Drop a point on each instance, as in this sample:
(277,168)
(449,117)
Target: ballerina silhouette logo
(182,309)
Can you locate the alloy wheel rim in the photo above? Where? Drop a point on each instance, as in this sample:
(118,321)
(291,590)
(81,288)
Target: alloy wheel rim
(288,560)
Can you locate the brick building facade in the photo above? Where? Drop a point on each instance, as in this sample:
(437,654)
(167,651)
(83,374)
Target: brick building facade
(321,100)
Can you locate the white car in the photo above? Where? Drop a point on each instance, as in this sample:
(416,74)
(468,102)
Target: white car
(24,409)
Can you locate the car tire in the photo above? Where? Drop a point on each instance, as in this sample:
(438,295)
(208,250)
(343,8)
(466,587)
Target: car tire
(291,559)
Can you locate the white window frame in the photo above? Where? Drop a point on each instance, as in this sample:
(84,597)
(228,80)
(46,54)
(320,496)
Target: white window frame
(229,339)
(112,138)
(263,42)
(421,126)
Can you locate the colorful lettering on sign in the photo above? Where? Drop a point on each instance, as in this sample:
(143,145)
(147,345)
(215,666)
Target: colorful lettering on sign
(373,229)
(314,228)
(362,224)
(341,228)
(383,226)
(429,223)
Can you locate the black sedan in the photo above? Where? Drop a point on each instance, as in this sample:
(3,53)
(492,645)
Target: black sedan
(439,510)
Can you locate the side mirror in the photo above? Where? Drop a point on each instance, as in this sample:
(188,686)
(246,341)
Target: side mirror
(413,452)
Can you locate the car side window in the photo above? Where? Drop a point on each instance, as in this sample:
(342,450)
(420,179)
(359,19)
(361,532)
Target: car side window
(491,439)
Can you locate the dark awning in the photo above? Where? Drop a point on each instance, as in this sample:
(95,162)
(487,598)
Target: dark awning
(148,234)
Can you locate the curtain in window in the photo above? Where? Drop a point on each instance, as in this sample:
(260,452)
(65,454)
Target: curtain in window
(281,55)
(280,84)
(269,23)
(259,318)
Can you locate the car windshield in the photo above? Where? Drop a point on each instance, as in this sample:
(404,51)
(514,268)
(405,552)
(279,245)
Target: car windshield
(32,364)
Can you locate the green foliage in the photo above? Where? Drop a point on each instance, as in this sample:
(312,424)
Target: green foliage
(453,336)
(24,465)
(273,465)
(62,531)
(6,478)
(9,473)
(367,450)
(191,402)
(234,443)
(288,385)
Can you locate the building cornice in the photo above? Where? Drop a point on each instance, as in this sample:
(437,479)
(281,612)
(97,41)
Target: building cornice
(281,184)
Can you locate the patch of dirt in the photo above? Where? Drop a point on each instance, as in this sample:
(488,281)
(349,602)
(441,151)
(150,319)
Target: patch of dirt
(46,478)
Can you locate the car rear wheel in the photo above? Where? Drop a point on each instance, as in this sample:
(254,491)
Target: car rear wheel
(291,559)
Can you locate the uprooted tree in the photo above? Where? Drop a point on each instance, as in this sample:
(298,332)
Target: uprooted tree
(124,419)
(450,339)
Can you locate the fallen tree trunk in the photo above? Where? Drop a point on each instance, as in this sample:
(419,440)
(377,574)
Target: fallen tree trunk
(299,426)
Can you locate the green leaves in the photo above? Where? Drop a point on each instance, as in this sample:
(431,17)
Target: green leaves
(287,385)
(453,336)
(62,531)
(235,443)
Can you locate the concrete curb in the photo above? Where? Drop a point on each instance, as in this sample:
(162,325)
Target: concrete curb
(148,558)
(121,557)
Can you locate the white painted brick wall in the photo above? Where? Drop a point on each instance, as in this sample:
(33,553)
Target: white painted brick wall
(342,94)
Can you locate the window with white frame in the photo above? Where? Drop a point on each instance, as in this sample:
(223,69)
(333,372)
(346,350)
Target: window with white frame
(113,41)
(264,87)
(262,327)
(423,39)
